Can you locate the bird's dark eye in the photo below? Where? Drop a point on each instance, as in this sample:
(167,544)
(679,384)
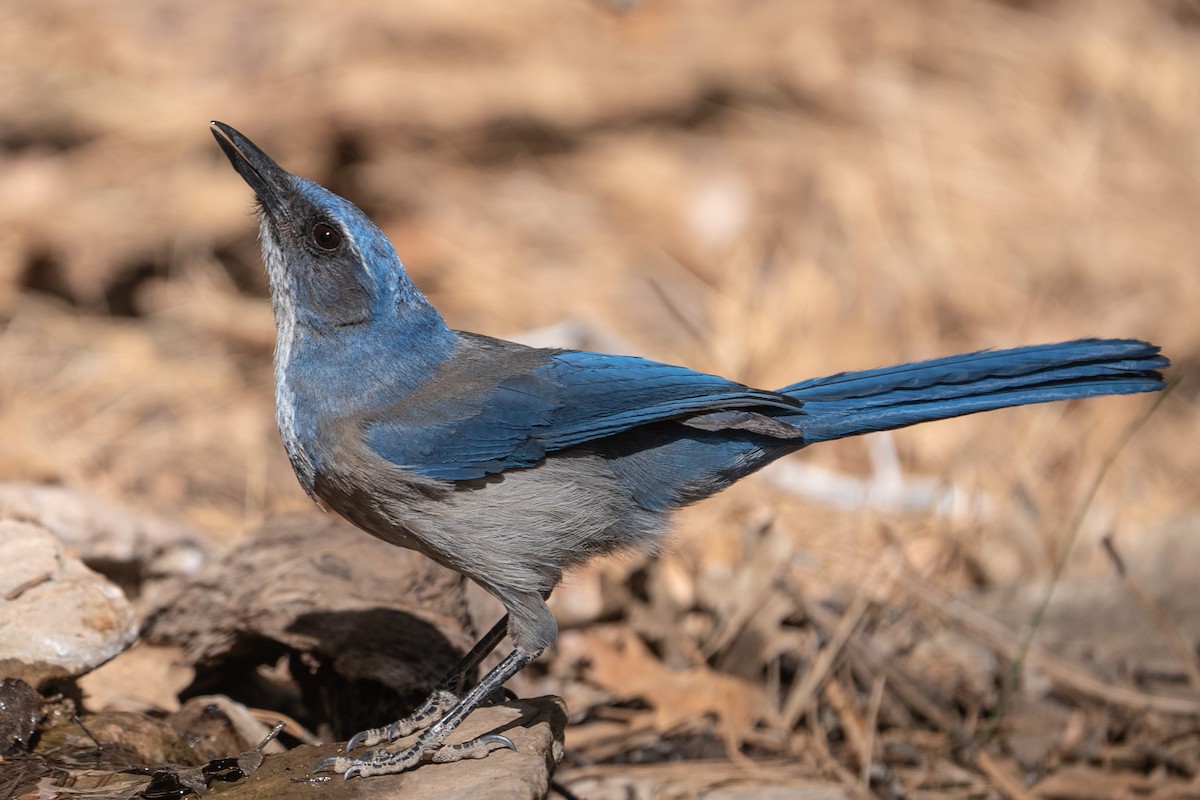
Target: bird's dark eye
(326,237)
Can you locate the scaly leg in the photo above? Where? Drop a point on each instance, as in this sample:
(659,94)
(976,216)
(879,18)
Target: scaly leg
(444,695)
(430,742)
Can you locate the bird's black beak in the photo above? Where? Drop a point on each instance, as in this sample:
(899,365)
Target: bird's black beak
(265,177)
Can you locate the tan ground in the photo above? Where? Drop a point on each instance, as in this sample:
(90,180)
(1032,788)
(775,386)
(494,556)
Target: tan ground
(769,190)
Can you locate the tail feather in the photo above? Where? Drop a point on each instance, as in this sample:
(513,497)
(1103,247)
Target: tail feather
(848,404)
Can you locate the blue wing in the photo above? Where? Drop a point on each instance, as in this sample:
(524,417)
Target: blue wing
(498,406)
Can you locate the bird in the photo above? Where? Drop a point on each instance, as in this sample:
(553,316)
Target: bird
(513,464)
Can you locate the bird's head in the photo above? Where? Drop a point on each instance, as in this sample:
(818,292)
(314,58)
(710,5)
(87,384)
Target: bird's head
(328,265)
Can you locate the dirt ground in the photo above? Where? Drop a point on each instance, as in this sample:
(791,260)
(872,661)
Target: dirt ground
(764,189)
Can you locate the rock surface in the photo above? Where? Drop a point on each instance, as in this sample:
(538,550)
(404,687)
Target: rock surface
(58,619)
(163,757)
(129,547)
(535,727)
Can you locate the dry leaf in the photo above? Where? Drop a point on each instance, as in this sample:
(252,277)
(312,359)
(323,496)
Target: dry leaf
(622,664)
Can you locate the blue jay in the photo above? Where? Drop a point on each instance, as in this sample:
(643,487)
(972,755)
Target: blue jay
(512,464)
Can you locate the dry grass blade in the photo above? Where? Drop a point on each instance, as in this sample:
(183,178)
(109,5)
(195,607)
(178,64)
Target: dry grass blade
(1072,531)
(1179,644)
(1002,777)
(802,694)
(871,724)
(1072,678)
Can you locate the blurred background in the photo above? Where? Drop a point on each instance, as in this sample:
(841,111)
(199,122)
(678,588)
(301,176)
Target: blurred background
(764,189)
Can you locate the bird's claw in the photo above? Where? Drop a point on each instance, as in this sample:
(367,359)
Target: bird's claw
(330,763)
(369,737)
(474,748)
(495,738)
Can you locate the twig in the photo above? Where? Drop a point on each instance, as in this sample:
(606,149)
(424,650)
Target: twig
(872,722)
(820,740)
(290,725)
(1001,777)
(842,704)
(1166,626)
(902,686)
(802,693)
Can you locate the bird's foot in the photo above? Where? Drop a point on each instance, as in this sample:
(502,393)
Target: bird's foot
(426,748)
(429,745)
(430,711)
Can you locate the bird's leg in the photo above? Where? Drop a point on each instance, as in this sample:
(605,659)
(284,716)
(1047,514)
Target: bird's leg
(482,649)
(443,697)
(429,745)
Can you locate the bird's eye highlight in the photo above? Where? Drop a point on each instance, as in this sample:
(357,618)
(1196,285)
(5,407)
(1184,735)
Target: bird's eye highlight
(326,237)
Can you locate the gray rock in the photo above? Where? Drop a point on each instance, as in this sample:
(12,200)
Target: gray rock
(58,618)
(124,544)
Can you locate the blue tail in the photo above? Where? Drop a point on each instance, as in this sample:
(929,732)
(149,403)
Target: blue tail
(665,467)
(851,403)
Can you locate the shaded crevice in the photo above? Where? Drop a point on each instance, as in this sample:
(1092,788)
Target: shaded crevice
(121,296)
(44,273)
